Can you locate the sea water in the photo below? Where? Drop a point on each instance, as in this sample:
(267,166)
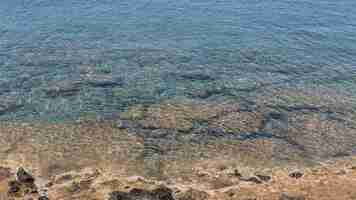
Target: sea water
(65,59)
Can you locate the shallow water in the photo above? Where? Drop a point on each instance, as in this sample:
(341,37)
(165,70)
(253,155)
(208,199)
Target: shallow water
(156,88)
(144,51)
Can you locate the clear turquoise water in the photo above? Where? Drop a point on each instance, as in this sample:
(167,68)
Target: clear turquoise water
(151,46)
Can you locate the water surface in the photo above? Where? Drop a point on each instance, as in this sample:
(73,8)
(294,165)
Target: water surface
(110,54)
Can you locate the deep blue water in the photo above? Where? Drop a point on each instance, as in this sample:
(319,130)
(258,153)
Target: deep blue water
(151,50)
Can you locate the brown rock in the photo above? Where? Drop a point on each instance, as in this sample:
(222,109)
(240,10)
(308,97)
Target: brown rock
(193,194)
(221,182)
(63,178)
(341,172)
(4,173)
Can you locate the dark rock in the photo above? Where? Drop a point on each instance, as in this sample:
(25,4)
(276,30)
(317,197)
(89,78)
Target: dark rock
(276,115)
(300,108)
(14,187)
(49,184)
(237,173)
(216,131)
(43,198)
(30,189)
(252,179)
(296,175)
(9,104)
(117,195)
(264,178)
(289,197)
(123,124)
(341,154)
(138,192)
(85,69)
(5,87)
(24,177)
(230,193)
(163,193)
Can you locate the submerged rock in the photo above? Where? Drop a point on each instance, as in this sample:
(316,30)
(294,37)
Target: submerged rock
(275,123)
(103,80)
(197,76)
(9,104)
(63,88)
(201,93)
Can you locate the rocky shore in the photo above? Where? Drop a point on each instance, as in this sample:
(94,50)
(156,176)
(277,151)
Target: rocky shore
(333,180)
(283,144)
